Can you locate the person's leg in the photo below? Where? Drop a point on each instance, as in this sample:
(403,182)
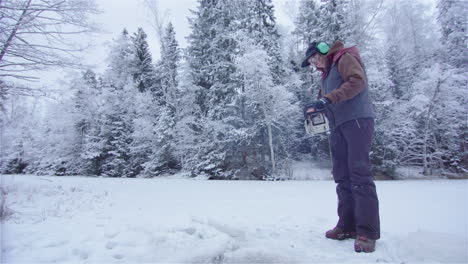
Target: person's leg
(358,135)
(343,188)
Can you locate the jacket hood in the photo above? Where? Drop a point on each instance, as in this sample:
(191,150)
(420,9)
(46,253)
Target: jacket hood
(336,51)
(335,47)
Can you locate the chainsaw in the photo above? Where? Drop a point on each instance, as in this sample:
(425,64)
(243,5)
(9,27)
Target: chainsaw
(316,122)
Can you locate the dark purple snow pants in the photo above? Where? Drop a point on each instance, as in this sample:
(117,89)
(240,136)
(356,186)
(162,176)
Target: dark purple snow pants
(358,205)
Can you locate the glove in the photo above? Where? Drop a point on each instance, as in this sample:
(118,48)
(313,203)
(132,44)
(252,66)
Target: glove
(316,105)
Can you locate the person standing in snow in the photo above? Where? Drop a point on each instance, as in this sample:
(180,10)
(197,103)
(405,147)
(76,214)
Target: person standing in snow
(344,96)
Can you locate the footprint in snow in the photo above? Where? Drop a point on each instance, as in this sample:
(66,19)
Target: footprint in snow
(111,234)
(190,230)
(51,244)
(80,253)
(111,244)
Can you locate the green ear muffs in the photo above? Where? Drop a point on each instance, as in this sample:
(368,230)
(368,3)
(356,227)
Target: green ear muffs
(323,48)
(313,48)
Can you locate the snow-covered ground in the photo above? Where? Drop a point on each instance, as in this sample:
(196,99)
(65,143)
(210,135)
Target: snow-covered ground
(102,220)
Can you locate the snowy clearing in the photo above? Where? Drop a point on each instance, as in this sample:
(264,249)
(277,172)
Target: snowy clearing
(110,220)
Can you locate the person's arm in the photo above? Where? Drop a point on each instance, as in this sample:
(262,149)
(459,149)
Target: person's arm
(354,78)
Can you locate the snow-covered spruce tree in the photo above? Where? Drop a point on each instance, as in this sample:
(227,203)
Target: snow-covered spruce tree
(228,143)
(333,22)
(187,114)
(258,21)
(16,135)
(254,20)
(258,28)
(164,107)
(210,56)
(307,24)
(143,74)
(453,133)
(167,67)
(145,109)
(92,148)
(86,117)
(117,109)
(116,130)
(453,22)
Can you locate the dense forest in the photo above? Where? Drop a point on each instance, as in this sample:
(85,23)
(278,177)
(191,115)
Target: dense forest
(230,104)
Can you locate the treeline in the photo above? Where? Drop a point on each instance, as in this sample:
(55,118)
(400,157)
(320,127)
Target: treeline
(230,104)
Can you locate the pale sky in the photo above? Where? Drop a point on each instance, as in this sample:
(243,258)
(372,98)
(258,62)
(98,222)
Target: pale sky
(131,14)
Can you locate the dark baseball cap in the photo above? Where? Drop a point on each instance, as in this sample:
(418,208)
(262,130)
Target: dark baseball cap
(314,47)
(311,51)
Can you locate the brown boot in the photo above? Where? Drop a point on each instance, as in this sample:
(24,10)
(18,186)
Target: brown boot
(364,244)
(338,234)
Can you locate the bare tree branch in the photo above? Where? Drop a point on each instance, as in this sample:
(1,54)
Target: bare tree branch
(12,35)
(35,34)
(157,20)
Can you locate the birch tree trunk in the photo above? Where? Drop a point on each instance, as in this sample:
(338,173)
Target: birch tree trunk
(272,151)
(426,157)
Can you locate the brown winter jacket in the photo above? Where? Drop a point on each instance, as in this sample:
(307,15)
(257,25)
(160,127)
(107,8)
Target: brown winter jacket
(350,69)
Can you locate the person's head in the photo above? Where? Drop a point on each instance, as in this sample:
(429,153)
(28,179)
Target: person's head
(316,55)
